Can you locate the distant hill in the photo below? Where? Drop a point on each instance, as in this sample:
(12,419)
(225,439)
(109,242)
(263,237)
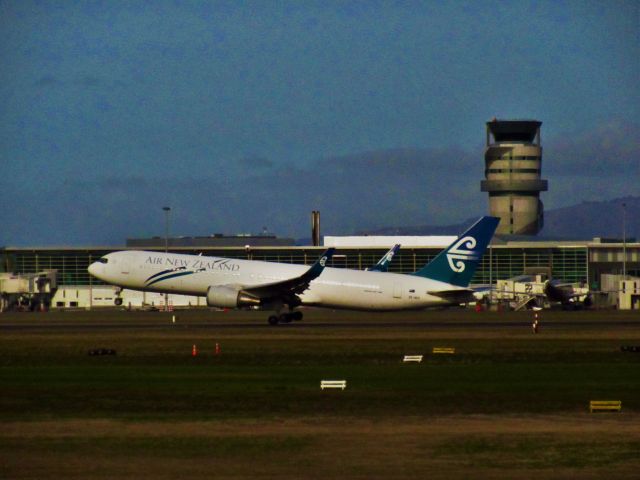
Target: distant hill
(594,219)
(583,221)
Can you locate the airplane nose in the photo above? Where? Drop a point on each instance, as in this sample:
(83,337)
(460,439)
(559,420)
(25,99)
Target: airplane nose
(94,269)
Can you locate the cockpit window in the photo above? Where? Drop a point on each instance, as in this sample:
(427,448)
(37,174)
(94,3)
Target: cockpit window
(103,260)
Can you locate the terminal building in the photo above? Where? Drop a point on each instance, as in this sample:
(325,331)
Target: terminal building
(592,262)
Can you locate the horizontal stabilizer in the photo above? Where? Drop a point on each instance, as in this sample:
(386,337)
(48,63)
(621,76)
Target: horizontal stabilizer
(462,295)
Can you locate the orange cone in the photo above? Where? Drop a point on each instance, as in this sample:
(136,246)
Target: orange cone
(217,348)
(194,351)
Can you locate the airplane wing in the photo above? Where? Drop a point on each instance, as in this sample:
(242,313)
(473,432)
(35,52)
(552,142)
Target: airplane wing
(288,289)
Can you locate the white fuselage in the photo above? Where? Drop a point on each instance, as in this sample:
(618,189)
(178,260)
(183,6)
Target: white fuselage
(335,287)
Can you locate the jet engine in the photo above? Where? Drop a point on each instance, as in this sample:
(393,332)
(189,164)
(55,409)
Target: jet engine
(228,296)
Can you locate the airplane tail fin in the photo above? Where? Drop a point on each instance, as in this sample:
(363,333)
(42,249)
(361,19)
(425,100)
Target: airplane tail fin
(457,263)
(383,263)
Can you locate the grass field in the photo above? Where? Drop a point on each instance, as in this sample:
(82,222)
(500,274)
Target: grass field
(507,404)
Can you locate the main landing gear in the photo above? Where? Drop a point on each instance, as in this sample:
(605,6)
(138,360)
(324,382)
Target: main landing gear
(285,318)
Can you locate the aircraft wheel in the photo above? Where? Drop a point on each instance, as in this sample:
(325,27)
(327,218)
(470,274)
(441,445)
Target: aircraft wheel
(273,320)
(297,316)
(118,301)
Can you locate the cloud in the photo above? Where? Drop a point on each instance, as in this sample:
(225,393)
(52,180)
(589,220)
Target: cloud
(353,193)
(364,191)
(90,81)
(46,81)
(609,150)
(593,165)
(256,163)
(409,161)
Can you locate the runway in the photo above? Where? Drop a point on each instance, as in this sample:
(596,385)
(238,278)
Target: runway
(425,325)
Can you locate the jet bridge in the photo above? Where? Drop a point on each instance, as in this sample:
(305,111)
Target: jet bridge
(27,292)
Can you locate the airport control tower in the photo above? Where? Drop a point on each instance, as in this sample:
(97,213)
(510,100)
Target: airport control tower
(513,165)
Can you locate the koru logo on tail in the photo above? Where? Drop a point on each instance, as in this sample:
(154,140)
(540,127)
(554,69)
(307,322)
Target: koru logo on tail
(323,261)
(461,251)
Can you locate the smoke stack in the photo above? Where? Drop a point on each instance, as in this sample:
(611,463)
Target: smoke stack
(315,228)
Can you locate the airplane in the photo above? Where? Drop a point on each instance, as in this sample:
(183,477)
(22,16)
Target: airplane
(567,294)
(383,263)
(235,283)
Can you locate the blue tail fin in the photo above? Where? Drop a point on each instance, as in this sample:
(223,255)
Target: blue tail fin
(383,263)
(457,263)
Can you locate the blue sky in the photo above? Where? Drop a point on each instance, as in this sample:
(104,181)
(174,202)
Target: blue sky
(228,111)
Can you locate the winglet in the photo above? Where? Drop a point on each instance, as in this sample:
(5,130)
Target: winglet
(383,263)
(316,269)
(457,263)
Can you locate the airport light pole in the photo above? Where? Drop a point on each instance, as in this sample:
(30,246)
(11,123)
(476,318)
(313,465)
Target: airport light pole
(490,274)
(166,228)
(166,247)
(624,241)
